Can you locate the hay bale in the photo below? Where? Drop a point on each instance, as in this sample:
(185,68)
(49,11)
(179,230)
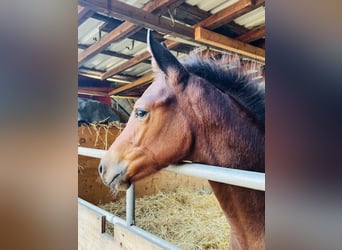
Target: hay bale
(188,219)
(102,134)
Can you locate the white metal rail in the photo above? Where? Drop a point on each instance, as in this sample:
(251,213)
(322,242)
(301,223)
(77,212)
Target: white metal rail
(248,179)
(242,178)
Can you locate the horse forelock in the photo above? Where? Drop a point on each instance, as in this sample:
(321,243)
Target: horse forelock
(230,77)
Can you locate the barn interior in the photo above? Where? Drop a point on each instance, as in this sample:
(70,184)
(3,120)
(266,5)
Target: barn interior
(113,63)
(114,69)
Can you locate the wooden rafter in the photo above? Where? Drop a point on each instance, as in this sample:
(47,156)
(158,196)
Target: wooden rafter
(230,13)
(97,75)
(91,91)
(145,17)
(139,82)
(122,31)
(107,52)
(83,14)
(252,35)
(140,17)
(146,55)
(197,15)
(132,62)
(226,15)
(137,59)
(224,42)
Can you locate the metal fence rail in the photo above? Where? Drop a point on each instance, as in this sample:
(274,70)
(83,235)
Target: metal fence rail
(242,178)
(248,179)
(111,218)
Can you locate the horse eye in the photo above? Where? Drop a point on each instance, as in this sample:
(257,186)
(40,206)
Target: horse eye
(140,113)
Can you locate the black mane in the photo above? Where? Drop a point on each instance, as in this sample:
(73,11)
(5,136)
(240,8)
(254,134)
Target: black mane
(231,81)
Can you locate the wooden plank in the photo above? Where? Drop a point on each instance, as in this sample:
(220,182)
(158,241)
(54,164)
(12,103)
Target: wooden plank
(134,61)
(122,31)
(226,15)
(107,52)
(224,42)
(141,81)
(91,92)
(139,17)
(252,35)
(80,9)
(91,231)
(91,234)
(83,14)
(96,74)
(89,72)
(130,240)
(230,13)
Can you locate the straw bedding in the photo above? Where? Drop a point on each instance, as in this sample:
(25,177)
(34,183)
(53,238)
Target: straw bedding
(186,218)
(104,129)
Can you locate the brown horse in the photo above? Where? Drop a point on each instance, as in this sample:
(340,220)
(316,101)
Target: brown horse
(200,111)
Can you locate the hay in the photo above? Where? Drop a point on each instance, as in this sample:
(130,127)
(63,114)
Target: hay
(188,219)
(98,126)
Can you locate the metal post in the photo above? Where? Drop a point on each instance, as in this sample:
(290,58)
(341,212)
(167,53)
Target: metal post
(130,205)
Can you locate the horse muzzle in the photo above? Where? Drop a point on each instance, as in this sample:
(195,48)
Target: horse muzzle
(114,175)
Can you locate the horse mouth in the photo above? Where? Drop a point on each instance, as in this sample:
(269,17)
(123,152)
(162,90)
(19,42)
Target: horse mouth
(113,180)
(118,183)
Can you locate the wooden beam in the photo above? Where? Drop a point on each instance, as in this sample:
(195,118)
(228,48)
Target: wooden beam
(91,92)
(141,81)
(80,9)
(107,52)
(230,13)
(131,240)
(96,74)
(226,15)
(122,31)
(224,42)
(83,14)
(139,17)
(134,61)
(252,35)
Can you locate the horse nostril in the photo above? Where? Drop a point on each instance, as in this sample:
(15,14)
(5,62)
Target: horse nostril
(100,169)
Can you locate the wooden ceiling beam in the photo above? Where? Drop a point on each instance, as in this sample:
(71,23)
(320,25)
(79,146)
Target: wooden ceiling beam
(230,13)
(123,30)
(96,74)
(140,17)
(224,42)
(107,52)
(120,32)
(139,82)
(145,18)
(91,92)
(134,61)
(252,35)
(83,14)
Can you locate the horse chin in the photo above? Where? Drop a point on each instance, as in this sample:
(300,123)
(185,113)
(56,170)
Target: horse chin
(120,184)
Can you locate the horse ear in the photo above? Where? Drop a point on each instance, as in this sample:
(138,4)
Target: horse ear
(162,58)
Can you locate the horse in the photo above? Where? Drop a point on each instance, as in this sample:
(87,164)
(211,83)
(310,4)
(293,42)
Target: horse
(200,111)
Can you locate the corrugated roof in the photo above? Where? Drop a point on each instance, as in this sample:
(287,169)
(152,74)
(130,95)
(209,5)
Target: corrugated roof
(252,19)
(128,47)
(95,28)
(211,6)
(88,32)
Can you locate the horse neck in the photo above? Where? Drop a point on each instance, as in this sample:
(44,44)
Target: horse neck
(245,212)
(239,144)
(225,136)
